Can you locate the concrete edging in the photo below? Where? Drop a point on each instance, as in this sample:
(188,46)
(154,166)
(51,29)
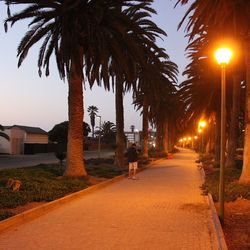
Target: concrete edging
(219,232)
(217,225)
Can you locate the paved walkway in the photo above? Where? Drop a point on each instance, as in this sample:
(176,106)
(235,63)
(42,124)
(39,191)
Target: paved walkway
(164,209)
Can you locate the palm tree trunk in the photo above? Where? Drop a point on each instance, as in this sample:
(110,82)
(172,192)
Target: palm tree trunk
(119,125)
(145,128)
(171,135)
(212,132)
(245,175)
(75,164)
(165,138)
(234,124)
(217,140)
(158,139)
(93,131)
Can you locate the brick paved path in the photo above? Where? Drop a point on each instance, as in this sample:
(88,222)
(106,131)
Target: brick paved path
(164,209)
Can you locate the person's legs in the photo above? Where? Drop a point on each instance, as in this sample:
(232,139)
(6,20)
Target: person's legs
(134,170)
(130,170)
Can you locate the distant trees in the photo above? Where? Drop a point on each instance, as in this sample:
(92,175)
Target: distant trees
(59,133)
(108,132)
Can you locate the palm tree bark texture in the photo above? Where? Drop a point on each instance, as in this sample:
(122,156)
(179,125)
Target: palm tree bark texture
(234,123)
(75,162)
(245,175)
(120,137)
(145,127)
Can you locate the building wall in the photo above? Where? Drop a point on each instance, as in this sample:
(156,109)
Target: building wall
(17,141)
(18,138)
(36,138)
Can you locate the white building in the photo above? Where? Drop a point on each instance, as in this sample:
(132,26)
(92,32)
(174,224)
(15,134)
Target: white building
(22,139)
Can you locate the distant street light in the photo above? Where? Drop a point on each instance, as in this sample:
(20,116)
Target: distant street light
(99,138)
(223,56)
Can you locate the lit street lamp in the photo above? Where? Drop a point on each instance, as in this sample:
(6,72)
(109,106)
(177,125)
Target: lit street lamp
(99,138)
(223,56)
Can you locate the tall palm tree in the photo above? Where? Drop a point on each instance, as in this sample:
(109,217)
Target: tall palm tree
(123,80)
(230,18)
(84,36)
(93,110)
(150,91)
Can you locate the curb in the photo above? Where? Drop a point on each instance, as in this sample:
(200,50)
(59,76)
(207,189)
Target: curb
(45,208)
(219,232)
(221,243)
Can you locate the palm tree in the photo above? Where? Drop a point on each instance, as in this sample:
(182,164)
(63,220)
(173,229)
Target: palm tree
(93,110)
(150,90)
(3,134)
(231,18)
(123,80)
(84,36)
(108,132)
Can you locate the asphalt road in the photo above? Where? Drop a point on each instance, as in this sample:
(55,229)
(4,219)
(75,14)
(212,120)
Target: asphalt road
(17,161)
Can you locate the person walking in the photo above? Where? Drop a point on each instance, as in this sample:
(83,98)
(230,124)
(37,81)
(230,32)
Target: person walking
(132,156)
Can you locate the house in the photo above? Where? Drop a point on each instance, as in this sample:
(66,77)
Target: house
(24,140)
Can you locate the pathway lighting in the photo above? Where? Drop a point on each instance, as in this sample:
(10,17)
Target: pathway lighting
(223,56)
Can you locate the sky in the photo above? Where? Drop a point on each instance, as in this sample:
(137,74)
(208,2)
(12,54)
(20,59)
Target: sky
(26,99)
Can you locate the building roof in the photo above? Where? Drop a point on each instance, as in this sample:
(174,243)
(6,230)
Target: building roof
(29,130)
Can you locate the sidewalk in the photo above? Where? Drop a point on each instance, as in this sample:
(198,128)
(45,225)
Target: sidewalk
(164,209)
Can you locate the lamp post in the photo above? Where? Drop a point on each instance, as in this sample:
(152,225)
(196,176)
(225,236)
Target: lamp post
(223,56)
(99,138)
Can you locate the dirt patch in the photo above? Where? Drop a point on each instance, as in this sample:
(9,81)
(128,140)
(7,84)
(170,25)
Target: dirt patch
(237,224)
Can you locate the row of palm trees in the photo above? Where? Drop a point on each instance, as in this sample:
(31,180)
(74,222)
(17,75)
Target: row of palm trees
(110,43)
(209,23)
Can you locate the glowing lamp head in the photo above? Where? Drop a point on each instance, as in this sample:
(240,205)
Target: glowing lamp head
(202,124)
(223,55)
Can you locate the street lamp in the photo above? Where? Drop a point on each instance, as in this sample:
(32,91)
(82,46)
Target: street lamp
(99,138)
(223,56)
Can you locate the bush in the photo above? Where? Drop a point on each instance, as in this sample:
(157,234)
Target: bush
(233,189)
(5,214)
(157,154)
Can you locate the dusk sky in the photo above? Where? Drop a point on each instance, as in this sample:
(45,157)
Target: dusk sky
(27,99)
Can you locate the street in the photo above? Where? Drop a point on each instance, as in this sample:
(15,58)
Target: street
(17,161)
